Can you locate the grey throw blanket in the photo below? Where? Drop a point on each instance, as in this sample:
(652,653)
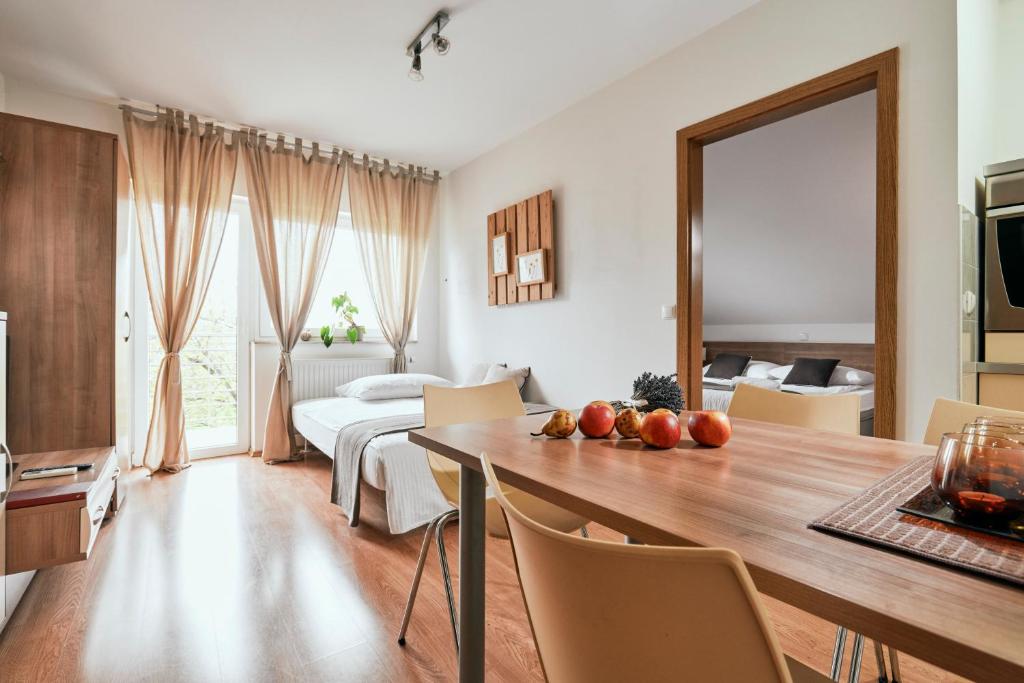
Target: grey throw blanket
(352,442)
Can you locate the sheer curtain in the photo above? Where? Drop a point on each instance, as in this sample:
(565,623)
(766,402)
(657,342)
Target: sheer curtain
(182,176)
(295,203)
(392,214)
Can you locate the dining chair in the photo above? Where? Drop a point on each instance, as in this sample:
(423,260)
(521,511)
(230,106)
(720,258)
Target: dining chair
(603,611)
(455,405)
(951,416)
(838,413)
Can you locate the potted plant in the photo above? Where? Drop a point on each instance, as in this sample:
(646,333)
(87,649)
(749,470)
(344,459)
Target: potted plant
(344,307)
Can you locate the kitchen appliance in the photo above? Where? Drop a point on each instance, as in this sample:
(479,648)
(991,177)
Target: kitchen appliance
(1004,247)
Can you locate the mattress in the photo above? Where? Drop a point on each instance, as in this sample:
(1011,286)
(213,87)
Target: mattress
(390,462)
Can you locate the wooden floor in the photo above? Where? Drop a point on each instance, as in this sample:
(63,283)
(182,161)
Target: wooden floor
(236,571)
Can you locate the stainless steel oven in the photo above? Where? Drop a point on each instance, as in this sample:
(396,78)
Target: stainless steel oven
(1004,246)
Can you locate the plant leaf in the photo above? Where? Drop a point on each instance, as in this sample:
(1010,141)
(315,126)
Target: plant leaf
(352,334)
(326,336)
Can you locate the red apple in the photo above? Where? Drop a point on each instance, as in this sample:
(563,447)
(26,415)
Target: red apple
(660,429)
(710,428)
(627,423)
(597,419)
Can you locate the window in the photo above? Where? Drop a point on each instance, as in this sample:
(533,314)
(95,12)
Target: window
(343,273)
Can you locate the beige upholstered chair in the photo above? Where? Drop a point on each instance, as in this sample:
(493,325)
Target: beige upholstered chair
(445,406)
(839,413)
(951,416)
(609,612)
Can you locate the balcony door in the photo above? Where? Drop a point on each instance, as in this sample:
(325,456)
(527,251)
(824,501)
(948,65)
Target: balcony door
(215,361)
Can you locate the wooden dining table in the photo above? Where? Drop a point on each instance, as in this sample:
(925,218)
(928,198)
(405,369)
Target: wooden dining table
(755,495)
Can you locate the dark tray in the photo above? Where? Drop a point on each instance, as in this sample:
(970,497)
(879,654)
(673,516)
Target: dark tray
(929,506)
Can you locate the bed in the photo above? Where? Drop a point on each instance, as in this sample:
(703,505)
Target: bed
(859,356)
(368,442)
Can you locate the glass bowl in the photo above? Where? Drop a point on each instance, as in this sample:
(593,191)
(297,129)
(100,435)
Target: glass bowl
(1004,420)
(980,476)
(1003,431)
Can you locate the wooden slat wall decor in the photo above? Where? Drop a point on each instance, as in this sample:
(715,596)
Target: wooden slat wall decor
(531,225)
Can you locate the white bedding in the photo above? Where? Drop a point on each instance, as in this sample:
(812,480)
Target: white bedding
(719,399)
(390,462)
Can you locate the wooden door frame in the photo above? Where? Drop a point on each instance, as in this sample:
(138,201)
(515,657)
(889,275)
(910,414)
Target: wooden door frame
(880,73)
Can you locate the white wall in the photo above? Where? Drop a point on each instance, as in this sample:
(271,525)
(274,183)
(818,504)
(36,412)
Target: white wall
(610,160)
(789,228)
(976,36)
(1009,86)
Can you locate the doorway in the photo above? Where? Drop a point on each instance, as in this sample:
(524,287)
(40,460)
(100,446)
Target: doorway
(879,74)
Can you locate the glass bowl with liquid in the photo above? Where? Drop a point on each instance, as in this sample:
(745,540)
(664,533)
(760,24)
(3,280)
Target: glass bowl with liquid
(980,475)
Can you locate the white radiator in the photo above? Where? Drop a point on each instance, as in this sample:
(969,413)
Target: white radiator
(318,377)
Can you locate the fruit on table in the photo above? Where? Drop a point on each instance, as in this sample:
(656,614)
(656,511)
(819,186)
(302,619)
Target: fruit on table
(710,428)
(660,428)
(627,423)
(560,425)
(597,419)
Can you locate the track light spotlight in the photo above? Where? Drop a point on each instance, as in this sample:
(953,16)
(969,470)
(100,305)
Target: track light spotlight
(441,44)
(416,72)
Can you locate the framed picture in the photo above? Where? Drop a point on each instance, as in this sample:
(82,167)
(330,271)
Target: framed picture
(500,254)
(531,267)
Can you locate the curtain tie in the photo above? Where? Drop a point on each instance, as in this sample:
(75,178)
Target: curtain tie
(286,361)
(398,364)
(176,375)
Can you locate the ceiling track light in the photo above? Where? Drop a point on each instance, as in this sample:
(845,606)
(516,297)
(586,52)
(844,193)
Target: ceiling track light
(431,33)
(416,72)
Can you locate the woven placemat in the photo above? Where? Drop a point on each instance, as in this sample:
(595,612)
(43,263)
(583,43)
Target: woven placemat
(872,516)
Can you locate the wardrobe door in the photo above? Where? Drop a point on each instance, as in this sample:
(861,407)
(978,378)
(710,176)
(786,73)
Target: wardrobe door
(57,229)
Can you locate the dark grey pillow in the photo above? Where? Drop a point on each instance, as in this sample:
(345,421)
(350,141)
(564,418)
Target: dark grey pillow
(727,366)
(811,372)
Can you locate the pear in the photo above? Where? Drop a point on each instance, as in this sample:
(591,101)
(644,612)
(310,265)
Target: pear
(627,423)
(560,425)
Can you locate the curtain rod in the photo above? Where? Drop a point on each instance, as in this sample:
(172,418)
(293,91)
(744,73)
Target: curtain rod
(289,139)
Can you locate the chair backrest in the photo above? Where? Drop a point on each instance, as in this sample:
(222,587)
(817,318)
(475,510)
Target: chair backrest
(615,612)
(456,405)
(838,413)
(951,416)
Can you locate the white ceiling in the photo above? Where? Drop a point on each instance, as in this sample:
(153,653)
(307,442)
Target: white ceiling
(336,70)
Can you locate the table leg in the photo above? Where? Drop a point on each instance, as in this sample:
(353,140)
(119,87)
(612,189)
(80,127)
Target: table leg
(472,510)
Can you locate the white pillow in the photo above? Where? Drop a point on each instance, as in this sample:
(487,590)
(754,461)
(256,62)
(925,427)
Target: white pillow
(477,373)
(843,376)
(759,369)
(720,381)
(377,387)
(499,373)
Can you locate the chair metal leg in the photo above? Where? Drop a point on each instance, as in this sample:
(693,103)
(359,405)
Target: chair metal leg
(855,658)
(424,547)
(883,675)
(837,654)
(584,533)
(442,557)
(894,665)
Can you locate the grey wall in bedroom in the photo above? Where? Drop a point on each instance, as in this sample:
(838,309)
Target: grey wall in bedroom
(789,215)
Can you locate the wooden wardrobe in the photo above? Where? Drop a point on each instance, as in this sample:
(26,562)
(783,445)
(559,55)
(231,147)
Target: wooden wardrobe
(64,283)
